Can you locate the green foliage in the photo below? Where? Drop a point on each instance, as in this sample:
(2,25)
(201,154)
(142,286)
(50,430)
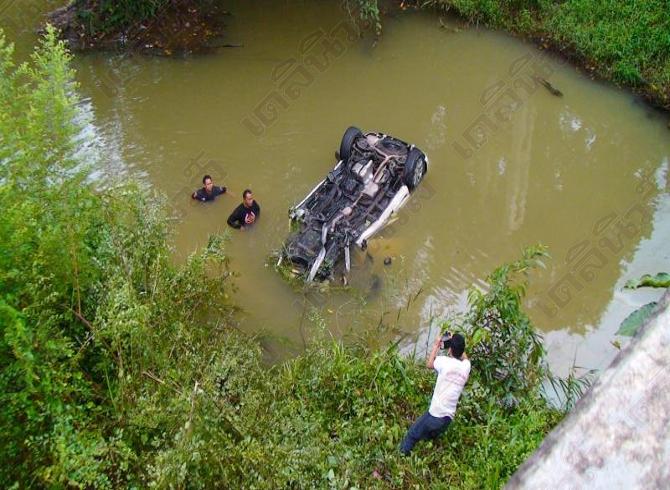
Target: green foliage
(343,412)
(634,321)
(45,253)
(506,350)
(570,389)
(486,11)
(631,39)
(88,299)
(659,280)
(510,14)
(111,15)
(366,12)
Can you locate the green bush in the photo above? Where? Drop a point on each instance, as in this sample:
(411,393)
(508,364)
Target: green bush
(87,295)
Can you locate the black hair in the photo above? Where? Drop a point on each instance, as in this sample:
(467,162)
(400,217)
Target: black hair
(205,178)
(457,345)
(244,194)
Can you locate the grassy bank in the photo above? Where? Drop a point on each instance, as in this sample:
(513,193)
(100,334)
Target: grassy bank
(625,42)
(119,369)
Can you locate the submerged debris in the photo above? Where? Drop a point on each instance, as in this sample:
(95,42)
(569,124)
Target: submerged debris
(553,90)
(448,27)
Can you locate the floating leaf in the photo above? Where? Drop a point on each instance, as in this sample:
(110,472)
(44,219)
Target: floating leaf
(633,321)
(660,280)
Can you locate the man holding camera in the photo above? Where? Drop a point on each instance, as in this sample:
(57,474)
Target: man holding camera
(453,371)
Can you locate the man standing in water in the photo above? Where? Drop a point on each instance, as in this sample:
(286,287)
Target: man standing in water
(246,213)
(453,371)
(209,191)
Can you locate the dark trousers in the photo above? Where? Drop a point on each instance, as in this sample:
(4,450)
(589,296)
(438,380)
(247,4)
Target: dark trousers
(427,427)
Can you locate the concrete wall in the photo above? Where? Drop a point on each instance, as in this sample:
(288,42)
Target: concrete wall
(618,435)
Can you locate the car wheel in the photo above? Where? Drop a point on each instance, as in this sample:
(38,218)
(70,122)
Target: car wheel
(415,169)
(348,139)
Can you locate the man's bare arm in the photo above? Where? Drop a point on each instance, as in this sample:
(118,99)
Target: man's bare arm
(431,358)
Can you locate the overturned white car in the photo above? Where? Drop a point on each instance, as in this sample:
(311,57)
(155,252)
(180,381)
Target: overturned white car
(373,179)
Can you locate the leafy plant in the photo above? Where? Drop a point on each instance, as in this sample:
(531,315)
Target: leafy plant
(632,323)
(505,348)
(570,389)
(660,280)
(108,15)
(366,12)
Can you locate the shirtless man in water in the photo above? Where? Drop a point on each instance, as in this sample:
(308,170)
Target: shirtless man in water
(246,213)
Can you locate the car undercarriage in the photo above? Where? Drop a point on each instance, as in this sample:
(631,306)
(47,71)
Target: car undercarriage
(372,180)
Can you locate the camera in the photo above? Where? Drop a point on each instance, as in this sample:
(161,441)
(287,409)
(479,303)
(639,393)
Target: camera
(446,340)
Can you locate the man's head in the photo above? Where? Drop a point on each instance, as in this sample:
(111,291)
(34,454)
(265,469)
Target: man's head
(457,345)
(207,182)
(247,198)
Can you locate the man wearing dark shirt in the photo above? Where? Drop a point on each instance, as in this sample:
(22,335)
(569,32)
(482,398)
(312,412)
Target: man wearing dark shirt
(209,192)
(246,213)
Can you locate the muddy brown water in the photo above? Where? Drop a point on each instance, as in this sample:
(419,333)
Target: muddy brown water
(511,165)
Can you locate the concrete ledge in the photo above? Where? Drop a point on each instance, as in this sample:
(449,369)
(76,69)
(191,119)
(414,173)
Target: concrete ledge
(618,435)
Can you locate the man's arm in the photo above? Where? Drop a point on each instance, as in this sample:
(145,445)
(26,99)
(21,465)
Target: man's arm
(430,361)
(234,220)
(199,195)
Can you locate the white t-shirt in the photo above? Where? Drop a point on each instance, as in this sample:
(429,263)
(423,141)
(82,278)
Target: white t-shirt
(452,375)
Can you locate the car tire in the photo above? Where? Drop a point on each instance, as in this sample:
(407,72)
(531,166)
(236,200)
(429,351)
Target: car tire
(348,139)
(415,168)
